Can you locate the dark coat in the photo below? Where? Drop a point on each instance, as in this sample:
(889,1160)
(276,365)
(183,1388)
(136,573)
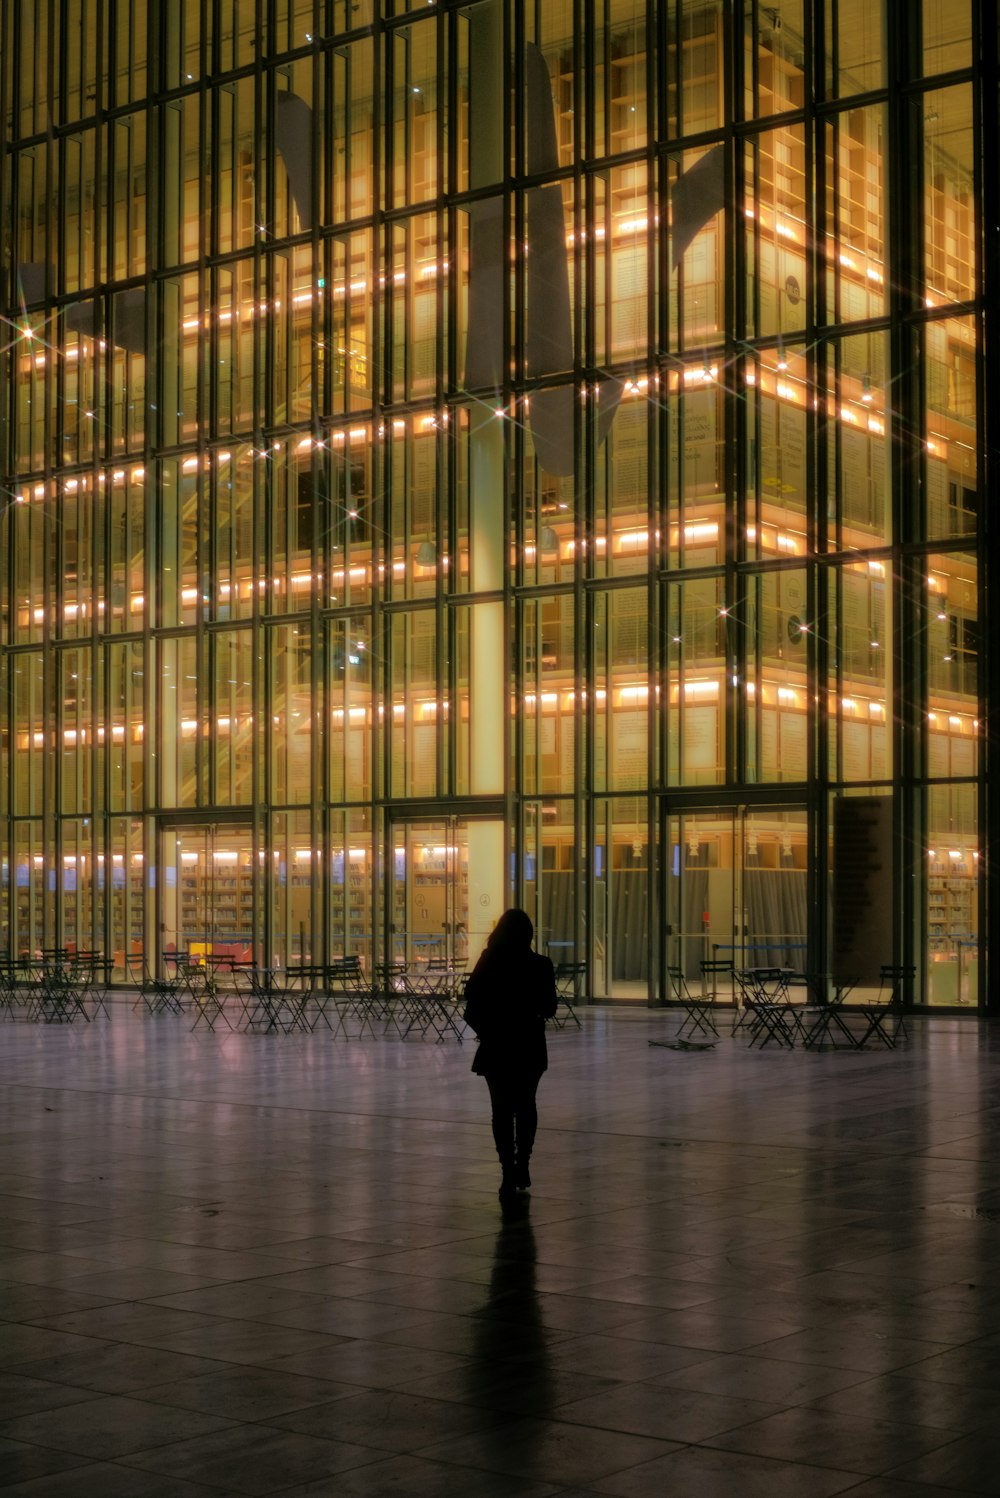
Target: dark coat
(507,1007)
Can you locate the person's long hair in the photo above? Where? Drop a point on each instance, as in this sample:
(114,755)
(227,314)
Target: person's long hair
(508,944)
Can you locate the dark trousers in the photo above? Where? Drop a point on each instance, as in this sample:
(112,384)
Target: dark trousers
(515,1117)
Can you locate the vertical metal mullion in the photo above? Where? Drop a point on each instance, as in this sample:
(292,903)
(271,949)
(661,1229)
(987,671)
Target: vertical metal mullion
(734,416)
(319,686)
(8,104)
(909,663)
(583,465)
(513,218)
(987,32)
(817,578)
(381,642)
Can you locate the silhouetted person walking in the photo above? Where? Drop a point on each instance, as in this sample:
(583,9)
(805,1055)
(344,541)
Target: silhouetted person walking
(510,995)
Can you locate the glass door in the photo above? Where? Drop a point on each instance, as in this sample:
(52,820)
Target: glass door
(735,890)
(446,883)
(207,895)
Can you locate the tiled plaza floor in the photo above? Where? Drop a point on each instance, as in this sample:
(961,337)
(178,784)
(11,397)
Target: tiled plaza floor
(239,1264)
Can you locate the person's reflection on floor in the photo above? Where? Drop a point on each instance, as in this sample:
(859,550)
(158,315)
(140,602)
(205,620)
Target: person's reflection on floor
(510,1360)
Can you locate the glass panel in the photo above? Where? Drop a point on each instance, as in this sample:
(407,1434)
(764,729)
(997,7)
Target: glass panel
(947,35)
(697,194)
(952,445)
(775,230)
(620,75)
(952,633)
(949,196)
(352,527)
(182,42)
(27,681)
(777,683)
(352,916)
(736,892)
(775,56)
(232,702)
(621,695)
(860,706)
(621,894)
(231,541)
(549,495)
(34,868)
(175,745)
(696,467)
(413,153)
(413,306)
(622,542)
(124,600)
(350,687)
(858,467)
(429,895)
(208,893)
(549,715)
(178,577)
(77,929)
(417,554)
(855,208)
(30,544)
(295,872)
(777,419)
(693,68)
(77,730)
(856,53)
(416,711)
(697,625)
(775,888)
(952,895)
(76,539)
(126,936)
(479,693)
(551,870)
(627,265)
(291,650)
(124,721)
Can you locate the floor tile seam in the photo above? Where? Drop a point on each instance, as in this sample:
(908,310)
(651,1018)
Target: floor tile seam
(662,1380)
(215,1319)
(90,1457)
(947,1438)
(864,1478)
(897,1370)
(212,1491)
(85,1461)
(543,1486)
(127,1459)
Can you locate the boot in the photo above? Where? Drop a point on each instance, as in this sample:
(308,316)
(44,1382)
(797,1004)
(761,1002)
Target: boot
(508,1183)
(522,1179)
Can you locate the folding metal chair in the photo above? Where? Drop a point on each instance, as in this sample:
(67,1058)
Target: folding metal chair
(208,1003)
(698,1018)
(829,1016)
(765,998)
(570,978)
(885,1016)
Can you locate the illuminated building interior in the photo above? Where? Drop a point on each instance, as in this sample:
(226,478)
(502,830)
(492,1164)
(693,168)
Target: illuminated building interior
(457,454)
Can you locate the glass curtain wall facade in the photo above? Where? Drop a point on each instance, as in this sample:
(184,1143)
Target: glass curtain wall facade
(463,453)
